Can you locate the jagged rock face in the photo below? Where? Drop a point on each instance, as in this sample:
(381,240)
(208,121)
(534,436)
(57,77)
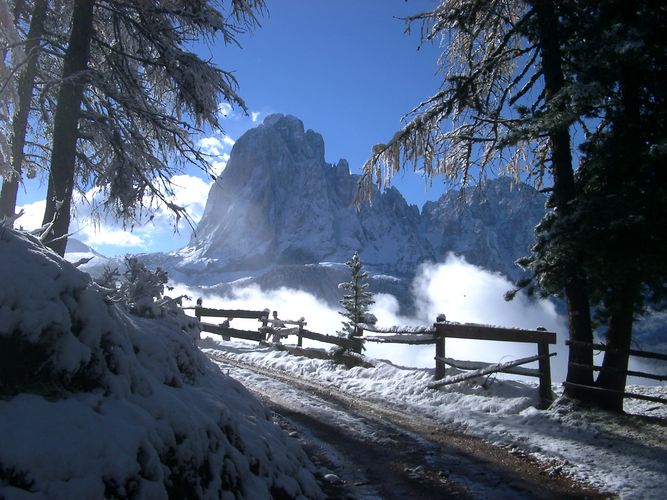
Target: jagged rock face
(491,226)
(279,203)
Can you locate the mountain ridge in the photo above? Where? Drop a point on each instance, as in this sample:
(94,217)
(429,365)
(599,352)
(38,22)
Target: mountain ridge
(278,202)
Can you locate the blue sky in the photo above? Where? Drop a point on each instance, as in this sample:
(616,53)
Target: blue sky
(344,67)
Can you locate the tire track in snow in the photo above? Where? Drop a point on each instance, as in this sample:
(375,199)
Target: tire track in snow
(426,452)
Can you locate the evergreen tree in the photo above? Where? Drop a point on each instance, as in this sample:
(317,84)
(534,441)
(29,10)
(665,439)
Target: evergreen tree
(504,105)
(357,299)
(123,100)
(518,76)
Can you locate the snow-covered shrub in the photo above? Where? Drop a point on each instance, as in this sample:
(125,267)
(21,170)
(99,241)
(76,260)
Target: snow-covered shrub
(141,288)
(109,278)
(98,403)
(141,292)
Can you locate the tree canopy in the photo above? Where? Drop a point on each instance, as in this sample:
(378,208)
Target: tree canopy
(522,82)
(138,94)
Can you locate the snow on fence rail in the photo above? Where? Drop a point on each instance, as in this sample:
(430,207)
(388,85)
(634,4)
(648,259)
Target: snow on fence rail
(265,329)
(436,334)
(414,335)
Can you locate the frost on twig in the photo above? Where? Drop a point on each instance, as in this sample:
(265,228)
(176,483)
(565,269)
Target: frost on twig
(9,221)
(82,261)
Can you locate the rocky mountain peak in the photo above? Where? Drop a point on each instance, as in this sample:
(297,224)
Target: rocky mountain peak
(278,202)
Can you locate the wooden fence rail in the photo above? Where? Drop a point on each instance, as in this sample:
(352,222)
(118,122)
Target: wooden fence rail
(633,373)
(233,332)
(653,399)
(477,365)
(540,336)
(633,352)
(228,313)
(486,370)
(420,336)
(352,344)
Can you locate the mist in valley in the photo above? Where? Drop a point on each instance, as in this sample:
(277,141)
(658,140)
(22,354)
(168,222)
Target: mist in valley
(463,292)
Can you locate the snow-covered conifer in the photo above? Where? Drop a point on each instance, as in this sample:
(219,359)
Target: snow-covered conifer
(357,299)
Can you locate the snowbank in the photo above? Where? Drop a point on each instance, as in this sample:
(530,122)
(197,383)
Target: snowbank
(95,402)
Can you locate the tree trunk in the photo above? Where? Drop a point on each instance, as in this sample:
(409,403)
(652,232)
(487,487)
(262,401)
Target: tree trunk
(65,124)
(578,303)
(613,374)
(629,146)
(10,185)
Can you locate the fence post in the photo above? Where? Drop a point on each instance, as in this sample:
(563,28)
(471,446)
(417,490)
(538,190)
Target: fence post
(300,340)
(439,354)
(265,322)
(546,396)
(198,309)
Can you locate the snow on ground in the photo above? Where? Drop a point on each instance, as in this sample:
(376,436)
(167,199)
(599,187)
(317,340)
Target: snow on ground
(625,455)
(98,403)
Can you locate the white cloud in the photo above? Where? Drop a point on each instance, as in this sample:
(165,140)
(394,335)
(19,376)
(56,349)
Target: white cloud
(211,146)
(225,110)
(110,237)
(467,293)
(102,234)
(216,148)
(191,192)
(32,216)
(219,165)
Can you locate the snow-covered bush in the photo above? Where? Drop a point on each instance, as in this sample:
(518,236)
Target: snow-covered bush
(141,292)
(141,288)
(99,403)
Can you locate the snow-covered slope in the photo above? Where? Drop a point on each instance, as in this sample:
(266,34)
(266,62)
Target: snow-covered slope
(97,403)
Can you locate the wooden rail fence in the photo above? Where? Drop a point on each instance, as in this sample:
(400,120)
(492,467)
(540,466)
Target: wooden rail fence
(633,373)
(437,335)
(263,316)
(540,337)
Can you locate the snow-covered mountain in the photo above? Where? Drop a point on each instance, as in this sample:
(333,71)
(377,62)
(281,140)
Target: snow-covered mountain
(279,203)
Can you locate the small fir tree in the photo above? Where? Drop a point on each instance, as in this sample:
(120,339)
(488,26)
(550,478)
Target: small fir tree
(357,300)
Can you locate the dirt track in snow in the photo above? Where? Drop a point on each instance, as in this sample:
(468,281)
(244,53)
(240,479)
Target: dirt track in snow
(382,452)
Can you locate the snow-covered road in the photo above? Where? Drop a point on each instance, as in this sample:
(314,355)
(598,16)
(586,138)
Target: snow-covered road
(383,452)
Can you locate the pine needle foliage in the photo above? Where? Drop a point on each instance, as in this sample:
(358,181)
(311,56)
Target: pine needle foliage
(357,300)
